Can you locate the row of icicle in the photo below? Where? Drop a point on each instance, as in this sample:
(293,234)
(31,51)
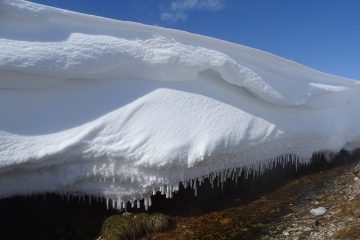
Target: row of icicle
(214,178)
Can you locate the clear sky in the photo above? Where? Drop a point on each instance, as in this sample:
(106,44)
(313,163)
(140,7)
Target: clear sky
(323,34)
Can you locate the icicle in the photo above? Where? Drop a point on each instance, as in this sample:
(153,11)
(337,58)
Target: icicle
(150,201)
(228,173)
(146,204)
(119,204)
(162,190)
(138,203)
(211,181)
(113,204)
(167,191)
(153,192)
(90,200)
(132,203)
(222,176)
(236,180)
(171,192)
(195,189)
(260,170)
(107,203)
(233,174)
(124,205)
(252,173)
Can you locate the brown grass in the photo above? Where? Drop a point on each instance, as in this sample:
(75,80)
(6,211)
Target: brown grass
(120,227)
(348,233)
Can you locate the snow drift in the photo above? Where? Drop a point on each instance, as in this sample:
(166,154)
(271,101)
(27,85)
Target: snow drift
(95,106)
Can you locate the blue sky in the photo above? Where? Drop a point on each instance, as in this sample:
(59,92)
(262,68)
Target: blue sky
(323,34)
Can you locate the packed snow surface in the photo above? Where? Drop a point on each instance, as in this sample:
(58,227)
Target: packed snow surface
(95,106)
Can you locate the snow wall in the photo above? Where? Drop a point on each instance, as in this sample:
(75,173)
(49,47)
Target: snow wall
(116,109)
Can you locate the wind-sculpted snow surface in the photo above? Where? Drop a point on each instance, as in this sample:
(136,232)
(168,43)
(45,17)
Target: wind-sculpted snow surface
(101,107)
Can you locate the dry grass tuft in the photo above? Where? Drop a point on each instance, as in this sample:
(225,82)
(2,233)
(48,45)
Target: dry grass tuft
(120,227)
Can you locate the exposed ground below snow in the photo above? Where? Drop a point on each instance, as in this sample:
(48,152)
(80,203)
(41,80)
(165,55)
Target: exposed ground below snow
(284,213)
(340,196)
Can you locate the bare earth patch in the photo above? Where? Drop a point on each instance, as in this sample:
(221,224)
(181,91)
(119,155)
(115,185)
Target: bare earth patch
(285,213)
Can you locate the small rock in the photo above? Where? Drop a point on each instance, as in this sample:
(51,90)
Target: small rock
(318,211)
(356,178)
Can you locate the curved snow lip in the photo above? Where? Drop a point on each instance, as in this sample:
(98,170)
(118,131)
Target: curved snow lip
(96,56)
(104,54)
(96,106)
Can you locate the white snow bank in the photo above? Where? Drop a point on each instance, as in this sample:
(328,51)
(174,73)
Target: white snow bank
(112,108)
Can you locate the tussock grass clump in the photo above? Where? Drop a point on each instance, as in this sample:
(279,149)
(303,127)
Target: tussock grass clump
(120,227)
